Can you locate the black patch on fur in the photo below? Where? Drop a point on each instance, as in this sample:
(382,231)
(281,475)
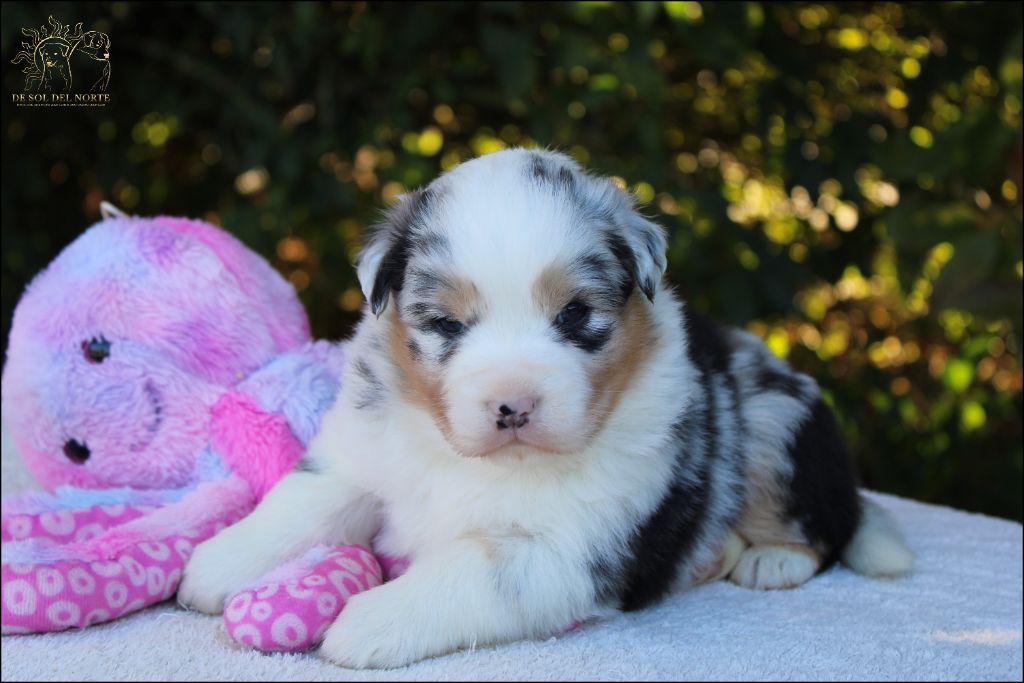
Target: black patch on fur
(651,240)
(603,286)
(426,283)
(567,179)
(627,259)
(670,535)
(390,276)
(448,348)
(559,178)
(823,492)
(364,372)
(591,266)
(373,390)
(431,243)
(616,283)
(769,379)
(738,462)
(599,207)
(539,168)
(708,346)
(307,465)
(422,314)
(630,259)
(415,352)
(671,532)
(590,339)
(606,578)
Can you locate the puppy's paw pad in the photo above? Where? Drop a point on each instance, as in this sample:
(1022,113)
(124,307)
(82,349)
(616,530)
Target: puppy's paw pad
(768,567)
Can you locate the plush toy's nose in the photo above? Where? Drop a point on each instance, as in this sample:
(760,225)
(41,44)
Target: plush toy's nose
(76,452)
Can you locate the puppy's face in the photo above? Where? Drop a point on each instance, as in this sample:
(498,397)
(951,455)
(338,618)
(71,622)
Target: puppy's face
(520,295)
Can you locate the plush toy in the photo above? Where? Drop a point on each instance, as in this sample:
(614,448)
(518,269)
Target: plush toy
(160,378)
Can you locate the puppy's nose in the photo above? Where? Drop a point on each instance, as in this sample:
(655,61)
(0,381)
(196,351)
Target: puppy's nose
(512,412)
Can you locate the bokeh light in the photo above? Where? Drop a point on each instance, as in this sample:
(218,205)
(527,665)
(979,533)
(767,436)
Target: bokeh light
(842,179)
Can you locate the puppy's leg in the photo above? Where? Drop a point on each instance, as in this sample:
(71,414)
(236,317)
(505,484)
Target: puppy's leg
(802,505)
(302,510)
(472,592)
(779,555)
(728,556)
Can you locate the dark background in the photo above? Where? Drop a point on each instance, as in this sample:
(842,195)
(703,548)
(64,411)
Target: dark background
(843,179)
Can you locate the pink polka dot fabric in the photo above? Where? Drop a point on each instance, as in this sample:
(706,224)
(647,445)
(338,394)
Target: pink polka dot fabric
(42,598)
(54,596)
(290,610)
(69,526)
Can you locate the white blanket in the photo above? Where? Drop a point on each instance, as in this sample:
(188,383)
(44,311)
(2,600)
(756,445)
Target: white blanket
(957,617)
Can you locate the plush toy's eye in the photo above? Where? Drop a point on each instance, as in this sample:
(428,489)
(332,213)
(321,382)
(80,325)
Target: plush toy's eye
(76,451)
(96,350)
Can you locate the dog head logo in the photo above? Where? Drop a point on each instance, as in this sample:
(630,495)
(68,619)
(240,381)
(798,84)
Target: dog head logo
(59,60)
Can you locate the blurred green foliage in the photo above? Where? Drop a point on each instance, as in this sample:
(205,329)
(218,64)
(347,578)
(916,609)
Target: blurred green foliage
(844,179)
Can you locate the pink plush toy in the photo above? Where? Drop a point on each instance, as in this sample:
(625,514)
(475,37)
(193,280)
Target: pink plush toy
(160,378)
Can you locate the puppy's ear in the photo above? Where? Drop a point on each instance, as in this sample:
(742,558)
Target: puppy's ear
(637,243)
(368,267)
(381,264)
(647,244)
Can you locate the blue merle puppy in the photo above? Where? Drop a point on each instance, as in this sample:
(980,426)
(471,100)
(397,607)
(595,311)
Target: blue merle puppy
(533,417)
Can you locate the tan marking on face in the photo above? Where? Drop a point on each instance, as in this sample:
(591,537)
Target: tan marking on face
(628,352)
(461,299)
(553,289)
(415,383)
(619,362)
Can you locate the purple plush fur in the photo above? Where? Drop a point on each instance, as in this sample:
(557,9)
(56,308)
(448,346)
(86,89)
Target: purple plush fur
(188,311)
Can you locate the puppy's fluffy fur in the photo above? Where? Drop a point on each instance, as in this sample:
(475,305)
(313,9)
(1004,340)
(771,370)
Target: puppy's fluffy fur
(547,431)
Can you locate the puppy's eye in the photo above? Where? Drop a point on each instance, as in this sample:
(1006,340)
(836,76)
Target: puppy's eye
(96,350)
(449,327)
(573,315)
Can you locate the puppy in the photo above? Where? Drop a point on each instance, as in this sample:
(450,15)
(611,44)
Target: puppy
(550,434)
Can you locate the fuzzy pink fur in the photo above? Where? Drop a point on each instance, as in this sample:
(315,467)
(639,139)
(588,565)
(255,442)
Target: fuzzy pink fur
(188,312)
(258,445)
(276,298)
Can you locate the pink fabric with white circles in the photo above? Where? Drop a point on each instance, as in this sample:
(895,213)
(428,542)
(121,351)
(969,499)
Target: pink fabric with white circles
(67,526)
(39,598)
(290,610)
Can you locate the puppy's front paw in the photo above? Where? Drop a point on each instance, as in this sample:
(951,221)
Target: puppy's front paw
(374,631)
(769,567)
(217,568)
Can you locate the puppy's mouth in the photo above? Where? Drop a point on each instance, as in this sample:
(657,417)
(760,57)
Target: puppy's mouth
(516,440)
